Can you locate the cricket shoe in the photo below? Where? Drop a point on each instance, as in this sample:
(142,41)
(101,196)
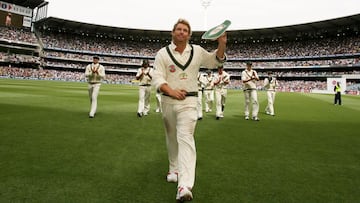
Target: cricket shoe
(256,118)
(246,117)
(219,117)
(183,194)
(172,177)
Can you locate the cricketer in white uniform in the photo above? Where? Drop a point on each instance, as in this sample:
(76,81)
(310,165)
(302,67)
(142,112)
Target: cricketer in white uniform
(95,73)
(201,84)
(175,75)
(270,84)
(144,77)
(249,78)
(221,81)
(209,91)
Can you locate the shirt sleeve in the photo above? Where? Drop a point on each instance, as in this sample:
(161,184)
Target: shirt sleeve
(138,73)
(243,76)
(102,71)
(88,71)
(159,72)
(266,82)
(209,59)
(226,77)
(255,73)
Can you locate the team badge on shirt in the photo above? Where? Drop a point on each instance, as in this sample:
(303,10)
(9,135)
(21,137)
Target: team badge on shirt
(172,68)
(183,76)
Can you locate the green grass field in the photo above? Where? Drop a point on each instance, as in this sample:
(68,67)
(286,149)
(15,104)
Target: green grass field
(50,151)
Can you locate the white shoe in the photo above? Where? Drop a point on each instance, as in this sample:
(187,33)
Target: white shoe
(184,194)
(246,117)
(172,177)
(268,113)
(157,110)
(256,118)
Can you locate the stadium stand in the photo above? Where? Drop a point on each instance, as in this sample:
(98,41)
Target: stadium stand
(302,56)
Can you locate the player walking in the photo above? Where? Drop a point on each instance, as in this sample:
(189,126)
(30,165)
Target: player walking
(209,91)
(95,73)
(249,77)
(144,76)
(222,79)
(270,84)
(176,71)
(201,84)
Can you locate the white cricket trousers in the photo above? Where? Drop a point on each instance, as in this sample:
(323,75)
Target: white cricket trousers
(93,89)
(199,105)
(271,100)
(158,102)
(144,99)
(209,98)
(180,122)
(251,95)
(220,96)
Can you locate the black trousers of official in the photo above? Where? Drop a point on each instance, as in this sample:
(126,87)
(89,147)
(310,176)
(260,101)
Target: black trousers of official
(337,98)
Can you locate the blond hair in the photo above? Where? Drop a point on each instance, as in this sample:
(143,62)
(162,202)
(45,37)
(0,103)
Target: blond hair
(185,22)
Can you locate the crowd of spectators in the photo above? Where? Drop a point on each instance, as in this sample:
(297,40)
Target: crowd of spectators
(17,35)
(19,58)
(61,75)
(49,55)
(88,57)
(123,52)
(75,76)
(99,44)
(318,47)
(299,64)
(289,73)
(65,56)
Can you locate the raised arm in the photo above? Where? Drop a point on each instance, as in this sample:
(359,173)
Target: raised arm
(220,53)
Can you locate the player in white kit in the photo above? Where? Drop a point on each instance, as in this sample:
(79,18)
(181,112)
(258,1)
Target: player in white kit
(270,84)
(95,73)
(201,84)
(175,75)
(144,77)
(209,91)
(221,81)
(249,78)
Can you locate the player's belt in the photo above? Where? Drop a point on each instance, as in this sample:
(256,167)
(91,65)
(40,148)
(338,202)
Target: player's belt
(188,94)
(191,94)
(146,85)
(249,89)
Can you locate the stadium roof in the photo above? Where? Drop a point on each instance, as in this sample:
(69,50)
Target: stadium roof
(26,3)
(332,27)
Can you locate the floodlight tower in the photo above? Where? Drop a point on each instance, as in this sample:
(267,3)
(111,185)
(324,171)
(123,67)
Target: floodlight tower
(205,4)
